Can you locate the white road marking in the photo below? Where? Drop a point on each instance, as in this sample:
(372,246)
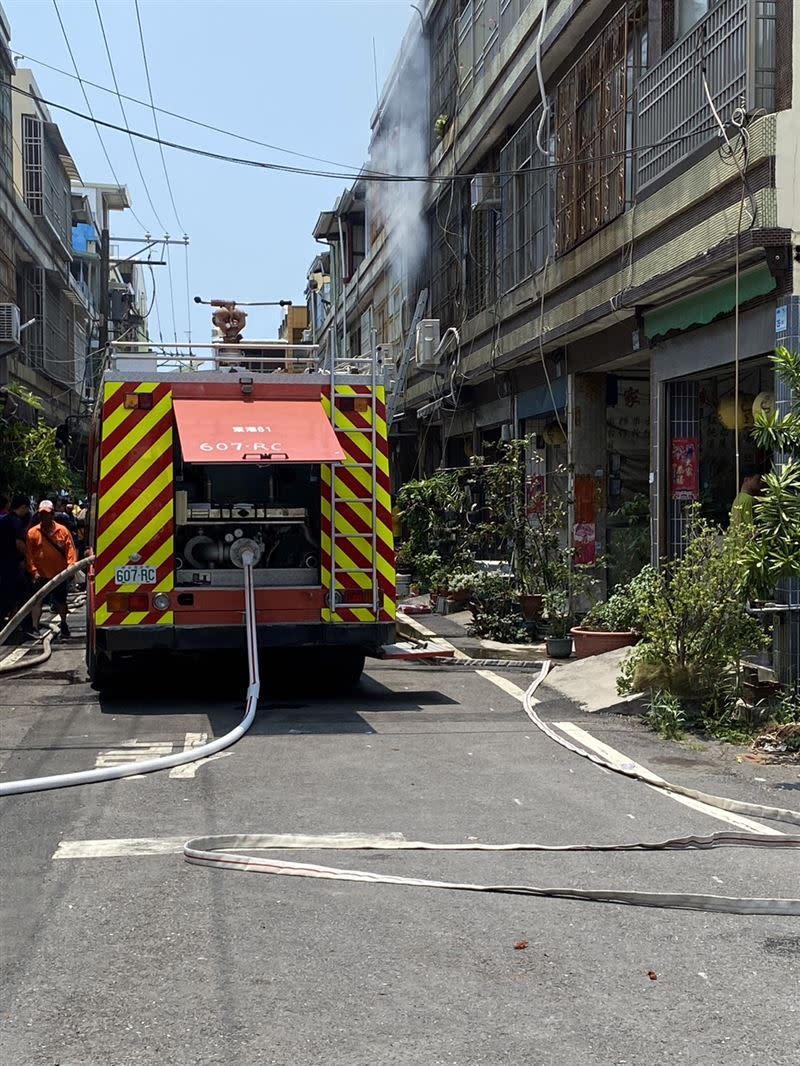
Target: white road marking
(15,656)
(503,683)
(195,740)
(133,751)
(113,849)
(616,758)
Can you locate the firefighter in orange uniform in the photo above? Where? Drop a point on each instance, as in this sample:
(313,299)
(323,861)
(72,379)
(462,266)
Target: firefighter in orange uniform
(50,551)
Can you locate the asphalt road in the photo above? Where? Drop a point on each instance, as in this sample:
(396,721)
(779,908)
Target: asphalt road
(144,959)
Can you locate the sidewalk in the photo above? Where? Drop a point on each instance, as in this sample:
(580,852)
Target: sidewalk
(589,683)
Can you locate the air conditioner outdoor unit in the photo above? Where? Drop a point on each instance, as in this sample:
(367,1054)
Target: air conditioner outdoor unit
(9,324)
(485,192)
(428,339)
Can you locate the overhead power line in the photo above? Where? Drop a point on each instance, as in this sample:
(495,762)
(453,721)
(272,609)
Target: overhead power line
(90,116)
(155,121)
(125,119)
(191,121)
(364,175)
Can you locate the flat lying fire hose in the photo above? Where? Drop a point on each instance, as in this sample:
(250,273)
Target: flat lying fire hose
(234,852)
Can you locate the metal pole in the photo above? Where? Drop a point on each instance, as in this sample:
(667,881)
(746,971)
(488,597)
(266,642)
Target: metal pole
(99,358)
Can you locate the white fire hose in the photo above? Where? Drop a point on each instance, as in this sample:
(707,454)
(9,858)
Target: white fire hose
(233,852)
(164,762)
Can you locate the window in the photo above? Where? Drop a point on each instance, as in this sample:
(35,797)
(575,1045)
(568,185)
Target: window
(8,281)
(526,204)
(478,39)
(687,14)
(45,186)
(33,164)
(443,66)
(445,223)
(591,133)
(5,129)
(30,290)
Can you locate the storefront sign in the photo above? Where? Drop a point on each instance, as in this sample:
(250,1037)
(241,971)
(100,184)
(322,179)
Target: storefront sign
(685,469)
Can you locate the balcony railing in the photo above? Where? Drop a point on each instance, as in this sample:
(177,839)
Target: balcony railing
(735,45)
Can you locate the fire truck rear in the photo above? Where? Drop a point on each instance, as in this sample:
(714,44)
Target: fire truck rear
(258,450)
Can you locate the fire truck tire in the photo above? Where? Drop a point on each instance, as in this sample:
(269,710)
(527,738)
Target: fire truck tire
(100,668)
(344,669)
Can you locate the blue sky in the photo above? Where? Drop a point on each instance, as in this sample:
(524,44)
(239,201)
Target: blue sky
(295,73)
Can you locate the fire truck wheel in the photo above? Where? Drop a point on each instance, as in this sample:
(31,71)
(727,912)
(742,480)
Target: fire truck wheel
(342,669)
(348,669)
(100,668)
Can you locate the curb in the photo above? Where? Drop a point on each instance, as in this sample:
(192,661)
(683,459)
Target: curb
(480,652)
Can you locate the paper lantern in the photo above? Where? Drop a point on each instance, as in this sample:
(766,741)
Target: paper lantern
(726,411)
(764,403)
(554,434)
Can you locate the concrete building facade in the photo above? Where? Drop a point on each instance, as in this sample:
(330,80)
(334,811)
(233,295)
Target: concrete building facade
(610,221)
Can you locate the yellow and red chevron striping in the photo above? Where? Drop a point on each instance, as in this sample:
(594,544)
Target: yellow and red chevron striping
(352,493)
(135,498)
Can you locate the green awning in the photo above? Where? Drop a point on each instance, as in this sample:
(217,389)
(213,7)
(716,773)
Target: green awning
(703,307)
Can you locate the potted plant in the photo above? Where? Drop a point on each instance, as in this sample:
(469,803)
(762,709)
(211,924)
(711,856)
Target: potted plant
(616,622)
(558,615)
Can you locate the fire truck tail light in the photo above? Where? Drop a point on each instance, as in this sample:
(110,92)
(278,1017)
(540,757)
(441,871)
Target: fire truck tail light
(357,596)
(120,602)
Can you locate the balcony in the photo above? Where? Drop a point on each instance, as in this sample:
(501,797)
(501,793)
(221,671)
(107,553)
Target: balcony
(735,44)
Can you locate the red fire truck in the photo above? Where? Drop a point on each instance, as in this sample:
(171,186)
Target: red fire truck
(250,448)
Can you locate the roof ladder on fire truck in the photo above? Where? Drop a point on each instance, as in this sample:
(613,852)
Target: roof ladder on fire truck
(365,544)
(396,390)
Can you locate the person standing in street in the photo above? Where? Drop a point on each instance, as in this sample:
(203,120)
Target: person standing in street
(14,583)
(50,551)
(742,509)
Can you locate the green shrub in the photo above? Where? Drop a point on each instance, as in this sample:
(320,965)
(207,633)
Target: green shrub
(623,608)
(665,715)
(694,625)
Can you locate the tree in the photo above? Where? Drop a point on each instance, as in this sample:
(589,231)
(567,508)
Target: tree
(773,551)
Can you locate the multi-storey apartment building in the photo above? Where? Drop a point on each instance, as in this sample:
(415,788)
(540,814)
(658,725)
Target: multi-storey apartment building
(612,231)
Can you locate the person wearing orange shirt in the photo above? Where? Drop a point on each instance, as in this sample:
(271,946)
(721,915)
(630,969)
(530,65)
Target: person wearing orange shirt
(50,550)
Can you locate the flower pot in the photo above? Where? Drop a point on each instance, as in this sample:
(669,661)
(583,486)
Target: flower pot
(559,647)
(596,641)
(531,605)
(458,599)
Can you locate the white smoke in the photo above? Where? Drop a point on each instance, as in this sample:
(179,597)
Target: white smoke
(400,146)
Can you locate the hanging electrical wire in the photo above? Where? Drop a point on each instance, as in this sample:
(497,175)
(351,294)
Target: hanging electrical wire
(366,176)
(161,225)
(191,121)
(155,119)
(97,123)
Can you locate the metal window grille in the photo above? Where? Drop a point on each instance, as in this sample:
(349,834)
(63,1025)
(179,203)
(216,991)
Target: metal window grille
(591,125)
(8,281)
(445,260)
(482,261)
(735,45)
(526,204)
(33,164)
(684,421)
(59,353)
(32,305)
(6,142)
(443,65)
(478,39)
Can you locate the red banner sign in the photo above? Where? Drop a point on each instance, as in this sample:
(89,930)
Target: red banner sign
(685,468)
